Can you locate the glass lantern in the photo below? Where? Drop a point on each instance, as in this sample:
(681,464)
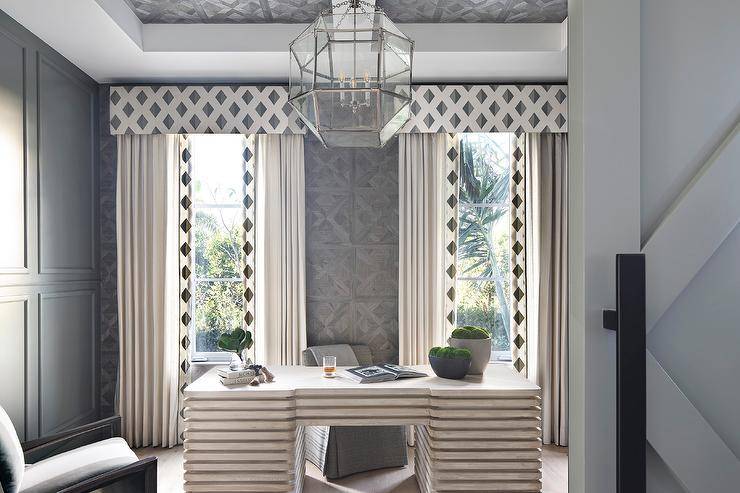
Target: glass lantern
(350,76)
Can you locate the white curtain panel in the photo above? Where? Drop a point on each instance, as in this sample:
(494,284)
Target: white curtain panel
(148,281)
(547,276)
(280,251)
(421,289)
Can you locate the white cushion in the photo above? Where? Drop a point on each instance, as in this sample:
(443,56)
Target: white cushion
(69,468)
(11,455)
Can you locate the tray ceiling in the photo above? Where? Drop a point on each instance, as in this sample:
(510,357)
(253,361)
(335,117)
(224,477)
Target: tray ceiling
(303,11)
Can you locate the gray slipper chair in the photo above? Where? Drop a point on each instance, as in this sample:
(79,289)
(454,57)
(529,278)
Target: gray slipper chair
(339,451)
(85,459)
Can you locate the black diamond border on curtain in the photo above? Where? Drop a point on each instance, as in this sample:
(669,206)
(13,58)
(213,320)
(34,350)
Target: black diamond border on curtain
(518,231)
(186,275)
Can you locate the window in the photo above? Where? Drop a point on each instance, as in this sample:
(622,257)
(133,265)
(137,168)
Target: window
(217,193)
(483,284)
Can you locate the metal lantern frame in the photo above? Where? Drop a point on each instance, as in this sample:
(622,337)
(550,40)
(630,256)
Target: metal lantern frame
(376,85)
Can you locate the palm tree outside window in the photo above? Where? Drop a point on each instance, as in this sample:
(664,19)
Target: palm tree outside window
(483,283)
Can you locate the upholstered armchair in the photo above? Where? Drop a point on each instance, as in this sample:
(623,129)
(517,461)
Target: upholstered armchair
(339,451)
(88,458)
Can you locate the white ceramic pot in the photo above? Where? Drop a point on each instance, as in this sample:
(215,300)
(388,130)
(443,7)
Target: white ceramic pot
(480,350)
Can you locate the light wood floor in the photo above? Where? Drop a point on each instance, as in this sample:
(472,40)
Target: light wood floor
(399,480)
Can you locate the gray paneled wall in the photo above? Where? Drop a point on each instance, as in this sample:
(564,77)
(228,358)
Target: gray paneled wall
(49,260)
(352,247)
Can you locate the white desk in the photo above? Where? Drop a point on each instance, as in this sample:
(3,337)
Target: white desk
(477,434)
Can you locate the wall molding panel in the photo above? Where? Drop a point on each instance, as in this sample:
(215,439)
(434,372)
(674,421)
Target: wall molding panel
(49,338)
(265,109)
(76,217)
(685,441)
(13,179)
(14,311)
(65,318)
(709,208)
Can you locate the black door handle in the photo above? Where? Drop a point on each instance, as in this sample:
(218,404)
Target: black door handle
(628,320)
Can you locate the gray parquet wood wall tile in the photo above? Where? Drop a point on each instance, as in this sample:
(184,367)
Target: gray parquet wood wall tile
(376,272)
(368,312)
(329,322)
(375,217)
(329,272)
(376,324)
(329,169)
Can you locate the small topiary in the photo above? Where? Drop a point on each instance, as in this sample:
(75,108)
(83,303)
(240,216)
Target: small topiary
(450,352)
(470,332)
(236,342)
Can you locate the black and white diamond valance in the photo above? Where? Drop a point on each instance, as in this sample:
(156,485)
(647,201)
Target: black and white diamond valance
(264,109)
(202,109)
(488,108)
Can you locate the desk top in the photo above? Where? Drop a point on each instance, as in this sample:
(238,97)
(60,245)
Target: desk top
(498,380)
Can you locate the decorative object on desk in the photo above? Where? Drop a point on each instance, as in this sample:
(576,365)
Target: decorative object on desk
(236,342)
(450,362)
(252,375)
(330,366)
(269,376)
(478,341)
(236,377)
(382,373)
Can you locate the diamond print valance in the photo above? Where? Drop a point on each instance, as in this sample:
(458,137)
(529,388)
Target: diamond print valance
(264,109)
(488,108)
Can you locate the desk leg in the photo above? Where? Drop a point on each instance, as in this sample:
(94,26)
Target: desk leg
(480,445)
(299,472)
(243,445)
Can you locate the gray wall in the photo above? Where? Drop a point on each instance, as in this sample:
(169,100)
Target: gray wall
(49,255)
(604,208)
(352,247)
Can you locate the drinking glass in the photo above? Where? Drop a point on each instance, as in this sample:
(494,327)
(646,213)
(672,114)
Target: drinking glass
(330,366)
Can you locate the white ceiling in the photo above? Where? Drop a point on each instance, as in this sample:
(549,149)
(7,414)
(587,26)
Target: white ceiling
(109,42)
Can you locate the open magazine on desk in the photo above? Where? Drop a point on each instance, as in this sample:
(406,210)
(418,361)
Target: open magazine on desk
(381,373)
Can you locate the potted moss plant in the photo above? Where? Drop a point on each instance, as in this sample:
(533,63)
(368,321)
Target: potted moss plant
(478,341)
(236,342)
(450,362)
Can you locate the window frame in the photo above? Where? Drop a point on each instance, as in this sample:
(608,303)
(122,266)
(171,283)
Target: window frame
(209,356)
(497,356)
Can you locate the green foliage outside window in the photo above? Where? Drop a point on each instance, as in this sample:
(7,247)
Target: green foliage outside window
(483,240)
(217,191)
(218,303)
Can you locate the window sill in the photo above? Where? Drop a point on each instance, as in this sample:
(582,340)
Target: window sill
(209,363)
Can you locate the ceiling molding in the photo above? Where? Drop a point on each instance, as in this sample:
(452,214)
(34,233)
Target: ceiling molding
(110,44)
(124,17)
(428,38)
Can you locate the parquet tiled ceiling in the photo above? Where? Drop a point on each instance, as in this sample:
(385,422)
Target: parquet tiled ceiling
(303,11)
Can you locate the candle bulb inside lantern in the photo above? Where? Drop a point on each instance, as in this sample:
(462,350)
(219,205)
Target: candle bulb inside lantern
(342,77)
